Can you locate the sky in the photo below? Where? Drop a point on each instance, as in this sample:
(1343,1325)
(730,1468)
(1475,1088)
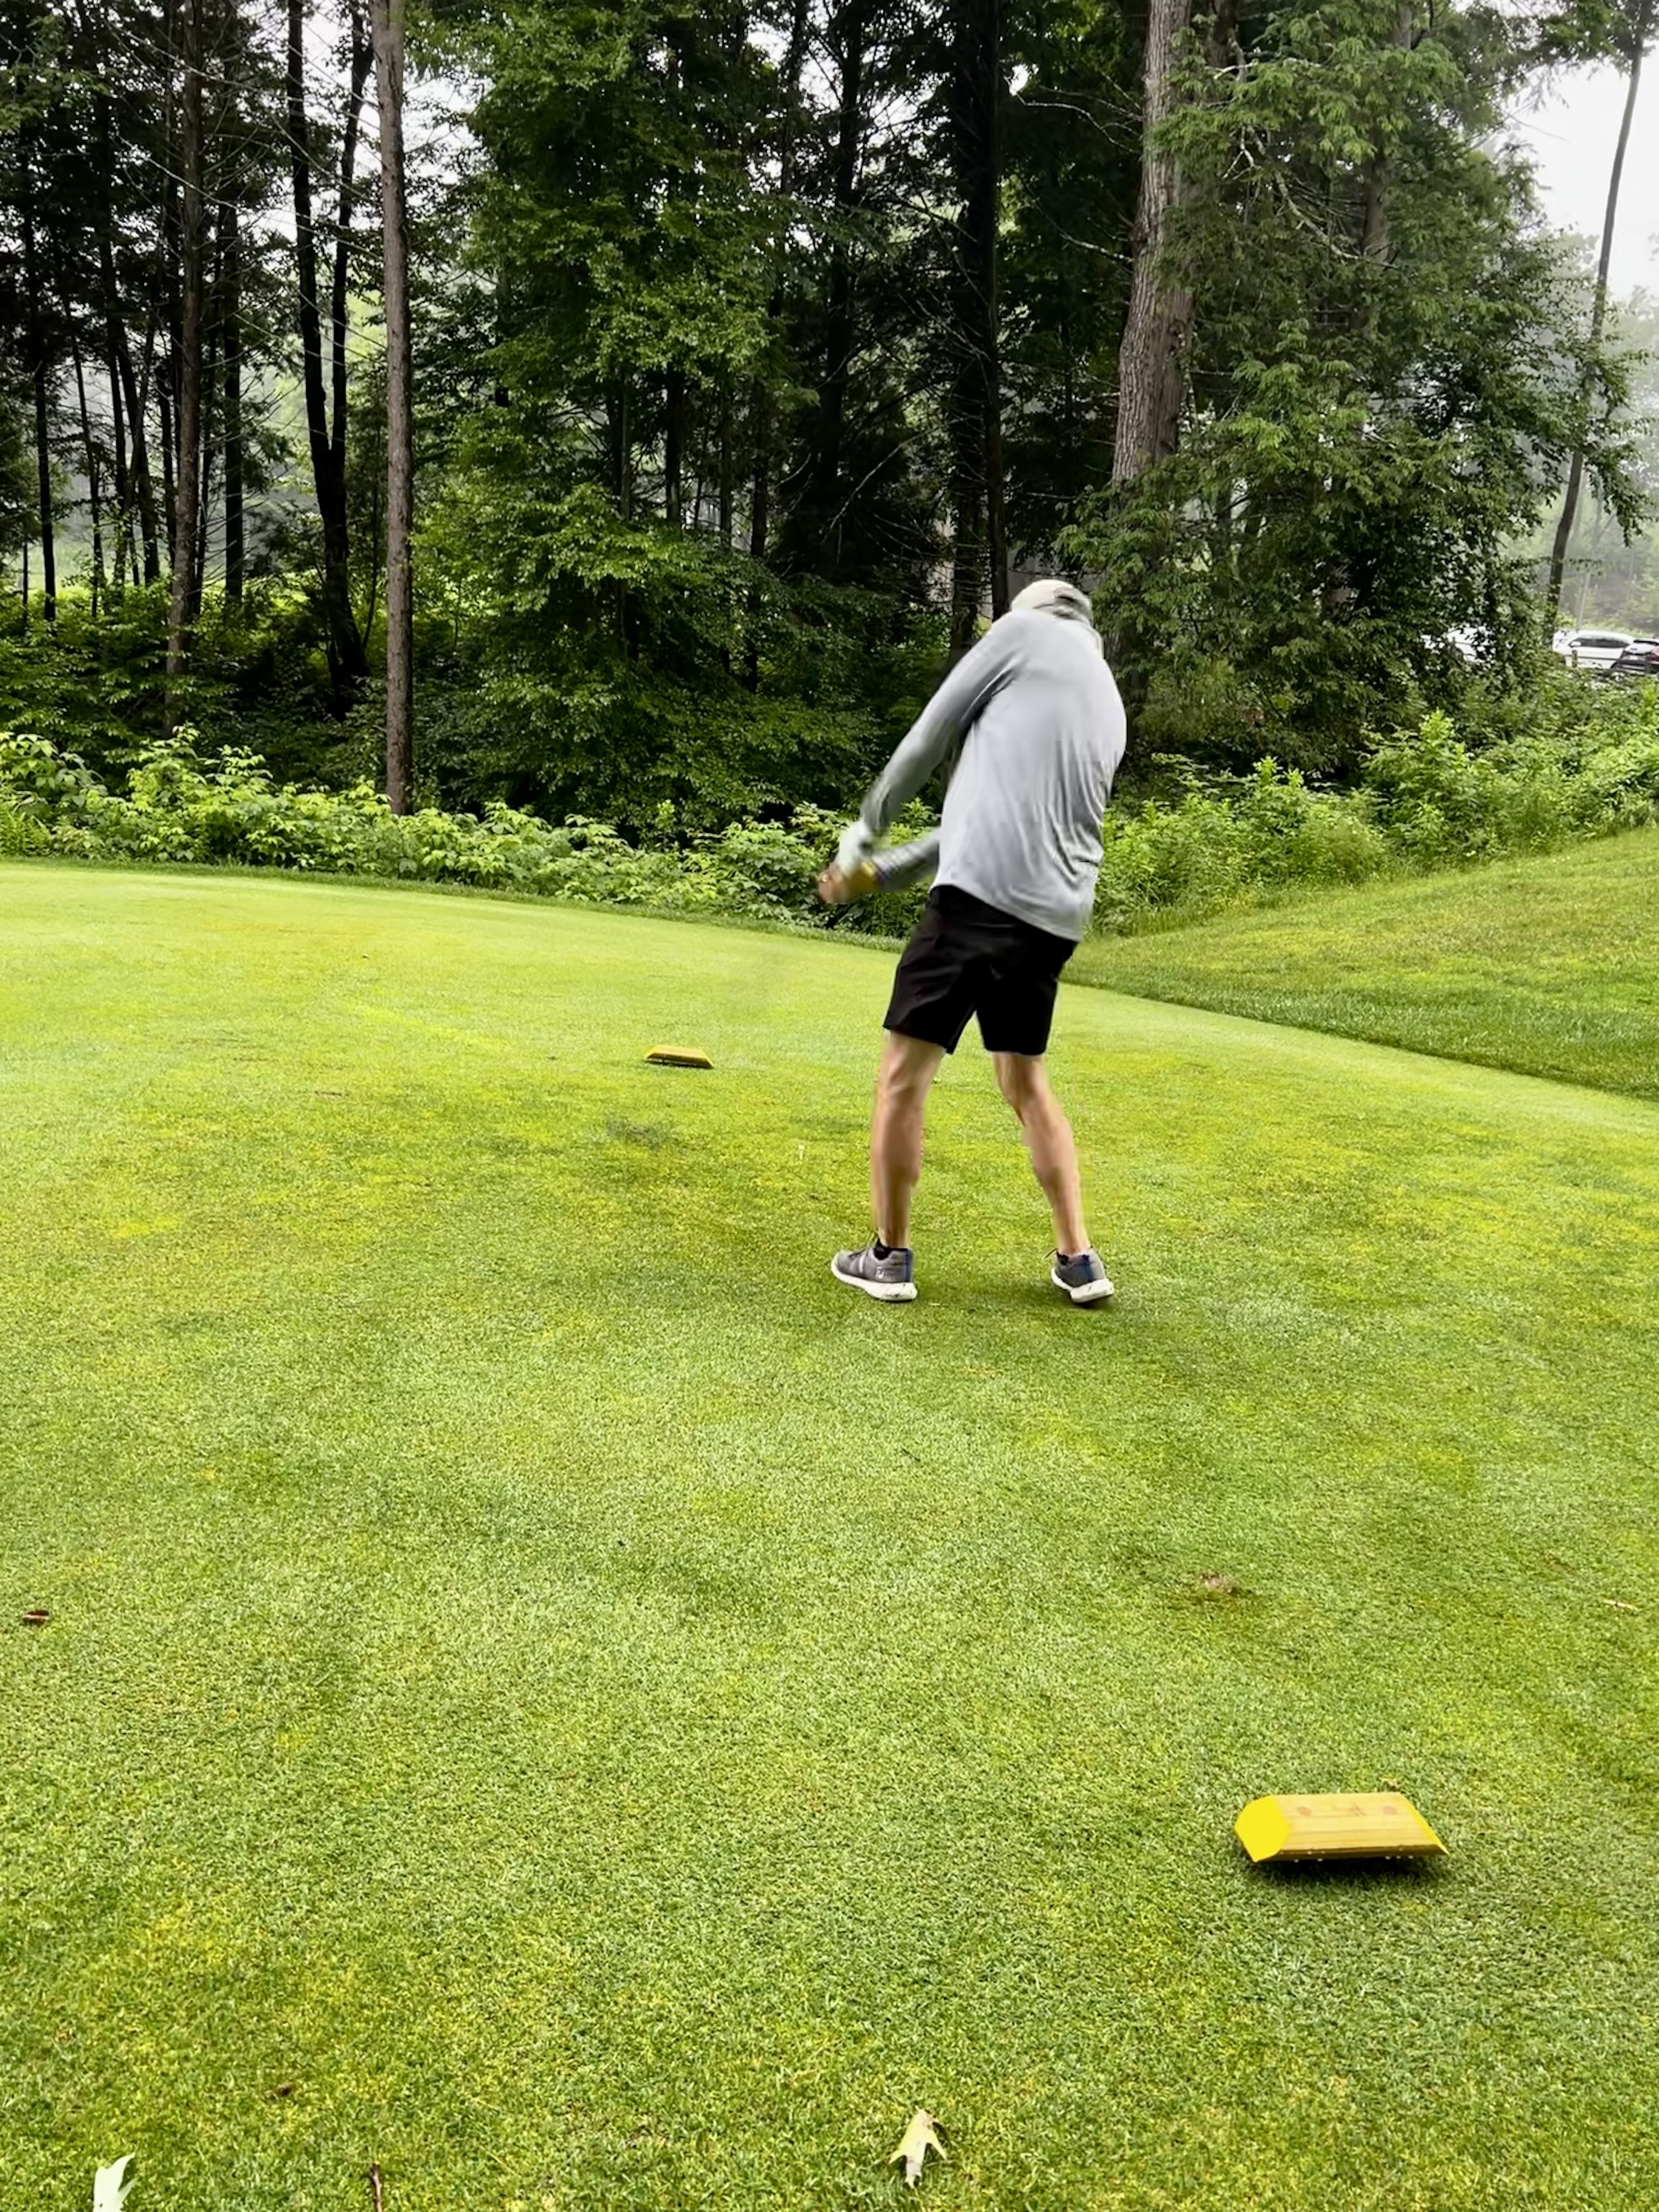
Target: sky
(1572,134)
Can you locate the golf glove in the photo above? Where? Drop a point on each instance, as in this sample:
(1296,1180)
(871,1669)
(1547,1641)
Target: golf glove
(855,848)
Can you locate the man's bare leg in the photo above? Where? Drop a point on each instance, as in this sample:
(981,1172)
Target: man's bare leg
(1024,1084)
(903,1079)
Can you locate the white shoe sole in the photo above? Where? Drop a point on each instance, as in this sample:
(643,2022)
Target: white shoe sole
(890,1294)
(1090,1294)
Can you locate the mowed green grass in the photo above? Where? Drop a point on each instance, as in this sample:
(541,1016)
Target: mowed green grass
(1549,966)
(547,1693)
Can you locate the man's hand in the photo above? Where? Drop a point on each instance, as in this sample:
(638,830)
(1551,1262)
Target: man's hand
(839,886)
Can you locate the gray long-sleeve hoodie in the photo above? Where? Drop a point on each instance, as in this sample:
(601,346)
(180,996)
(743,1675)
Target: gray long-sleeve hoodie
(1041,731)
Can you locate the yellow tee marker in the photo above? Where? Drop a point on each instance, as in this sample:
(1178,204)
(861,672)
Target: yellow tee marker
(1373,1824)
(679,1055)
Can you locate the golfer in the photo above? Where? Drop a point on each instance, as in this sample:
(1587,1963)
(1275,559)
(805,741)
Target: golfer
(1035,716)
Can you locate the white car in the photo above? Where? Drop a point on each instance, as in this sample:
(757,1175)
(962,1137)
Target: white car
(1595,649)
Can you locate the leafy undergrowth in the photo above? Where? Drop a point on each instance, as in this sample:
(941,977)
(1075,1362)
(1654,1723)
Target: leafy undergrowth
(1426,802)
(548,1695)
(1546,966)
(181,809)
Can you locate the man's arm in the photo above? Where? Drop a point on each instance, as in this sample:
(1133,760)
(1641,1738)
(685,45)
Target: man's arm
(946,717)
(907,864)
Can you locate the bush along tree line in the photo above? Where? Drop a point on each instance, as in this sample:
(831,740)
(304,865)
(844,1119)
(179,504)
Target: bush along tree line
(629,423)
(1588,765)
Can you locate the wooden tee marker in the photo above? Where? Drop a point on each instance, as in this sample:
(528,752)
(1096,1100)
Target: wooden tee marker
(679,1055)
(1379,1823)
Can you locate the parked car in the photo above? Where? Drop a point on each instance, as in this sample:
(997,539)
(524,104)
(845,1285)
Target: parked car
(1595,649)
(1640,658)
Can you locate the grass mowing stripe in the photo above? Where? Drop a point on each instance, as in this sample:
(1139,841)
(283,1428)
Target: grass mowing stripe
(1547,966)
(606,1718)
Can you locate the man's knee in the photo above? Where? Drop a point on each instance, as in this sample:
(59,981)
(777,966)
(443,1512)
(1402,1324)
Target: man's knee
(1023,1081)
(908,1067)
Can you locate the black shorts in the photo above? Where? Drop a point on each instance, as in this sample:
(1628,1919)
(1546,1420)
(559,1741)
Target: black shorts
(966,958)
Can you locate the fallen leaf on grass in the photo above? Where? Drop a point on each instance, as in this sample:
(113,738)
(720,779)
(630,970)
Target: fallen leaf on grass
(282,2090)
(110,2185)
(1218,1587)
(36,1617)
(918,2139)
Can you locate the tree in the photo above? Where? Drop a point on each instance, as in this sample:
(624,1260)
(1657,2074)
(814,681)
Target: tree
(17,484)
(981,549)
(230,233)
(400,442)
(40,367)
(134,485)
(347,662)
(191,224)
(1385,364)
(1071,164)
(1623,29)
(1160,317)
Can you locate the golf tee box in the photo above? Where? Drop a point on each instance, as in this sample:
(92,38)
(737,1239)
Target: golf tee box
(1378,1824)
(679,1055)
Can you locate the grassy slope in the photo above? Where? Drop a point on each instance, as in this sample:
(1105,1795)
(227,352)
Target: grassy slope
(1547,966)
(613,1721)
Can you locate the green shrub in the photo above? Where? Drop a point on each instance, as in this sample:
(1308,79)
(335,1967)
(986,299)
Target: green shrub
(178,806)
(1589,763)
(1428,799)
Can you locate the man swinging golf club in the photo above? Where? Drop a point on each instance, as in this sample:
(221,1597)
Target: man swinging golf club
(1036,719)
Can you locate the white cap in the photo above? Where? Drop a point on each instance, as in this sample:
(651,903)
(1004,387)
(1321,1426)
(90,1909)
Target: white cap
(1053,595)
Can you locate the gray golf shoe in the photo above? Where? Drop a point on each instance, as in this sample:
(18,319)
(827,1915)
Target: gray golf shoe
(893,1280)
(1083,1277)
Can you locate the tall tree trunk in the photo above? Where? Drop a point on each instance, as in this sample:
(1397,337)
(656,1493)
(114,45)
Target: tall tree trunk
(619,423)
(1151,358)
(89,445)
(167,420)
(135,392)
(235,537)
(759,408)
(377,501)
(117,417)
(981,550)
(348,664)
(850,31)
(191,227)
(1564,528)
(728,485)
(90,450)
(112,336)
(968,544)
(400,421)
(362,61)
(137,389)
(215,296)
(171,312)
(36,340)
(760,490)
(673,448)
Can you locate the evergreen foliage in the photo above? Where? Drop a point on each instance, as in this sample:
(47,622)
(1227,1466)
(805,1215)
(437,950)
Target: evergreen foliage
(759,349)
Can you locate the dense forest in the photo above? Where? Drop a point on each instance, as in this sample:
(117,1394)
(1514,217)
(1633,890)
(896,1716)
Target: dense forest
(624,408)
